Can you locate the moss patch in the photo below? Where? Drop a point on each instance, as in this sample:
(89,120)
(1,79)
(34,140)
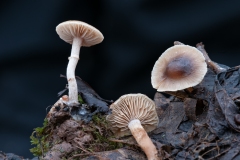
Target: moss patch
(39,139)
(102,134)
(80,100)
(83,138)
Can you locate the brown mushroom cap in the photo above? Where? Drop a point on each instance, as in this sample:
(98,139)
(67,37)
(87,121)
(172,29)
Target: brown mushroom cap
(179,67)
(71,29)
(129,107)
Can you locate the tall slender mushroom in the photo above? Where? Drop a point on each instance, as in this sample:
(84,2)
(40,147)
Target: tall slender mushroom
(78,34)
(135,114)
(179,67)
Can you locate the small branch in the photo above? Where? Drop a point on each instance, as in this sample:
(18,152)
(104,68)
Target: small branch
(212,65)
(128,141)
(220,154)
(87,153)
(83,154)
(208,151)
(84,150)
(179,94)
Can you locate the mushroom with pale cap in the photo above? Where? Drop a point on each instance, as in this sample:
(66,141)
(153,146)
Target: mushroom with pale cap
(135,114)
(78,34)
(179,67)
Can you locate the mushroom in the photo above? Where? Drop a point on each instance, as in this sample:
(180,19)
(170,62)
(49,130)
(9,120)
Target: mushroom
(135,114)
(179,67)
(78,34)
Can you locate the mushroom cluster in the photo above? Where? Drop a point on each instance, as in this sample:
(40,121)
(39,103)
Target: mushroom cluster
(135,114)
(78,34)
(179,67)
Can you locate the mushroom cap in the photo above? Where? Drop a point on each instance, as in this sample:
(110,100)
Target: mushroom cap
(129,107)
(179,67)
(71,29)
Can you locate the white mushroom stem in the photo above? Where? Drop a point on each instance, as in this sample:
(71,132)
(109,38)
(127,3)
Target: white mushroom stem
(73,60)
(143,139)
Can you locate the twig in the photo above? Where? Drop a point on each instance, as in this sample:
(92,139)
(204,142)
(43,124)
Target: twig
(218,148)
(212,65)
(82,154)
(83,149)
(219,154)
(209,151)
(178,94)
(123,141)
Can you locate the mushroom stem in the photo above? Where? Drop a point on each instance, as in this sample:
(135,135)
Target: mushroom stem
(73,60)
(143,139)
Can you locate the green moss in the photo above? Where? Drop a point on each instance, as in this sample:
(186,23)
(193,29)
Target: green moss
(103,137)
(100,120)
(39,139)
(99,128)
(80,99)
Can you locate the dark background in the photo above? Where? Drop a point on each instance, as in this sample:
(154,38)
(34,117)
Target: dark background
(32,56)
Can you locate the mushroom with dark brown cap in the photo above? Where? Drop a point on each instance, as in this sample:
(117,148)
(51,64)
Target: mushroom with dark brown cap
(179,67)
(135,114)
(78,34)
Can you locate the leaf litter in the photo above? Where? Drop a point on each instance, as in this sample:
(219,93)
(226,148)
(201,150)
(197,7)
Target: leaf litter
(202,122)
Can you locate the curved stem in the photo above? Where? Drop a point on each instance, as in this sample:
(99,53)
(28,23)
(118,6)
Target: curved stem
(143,139)
(73,60)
